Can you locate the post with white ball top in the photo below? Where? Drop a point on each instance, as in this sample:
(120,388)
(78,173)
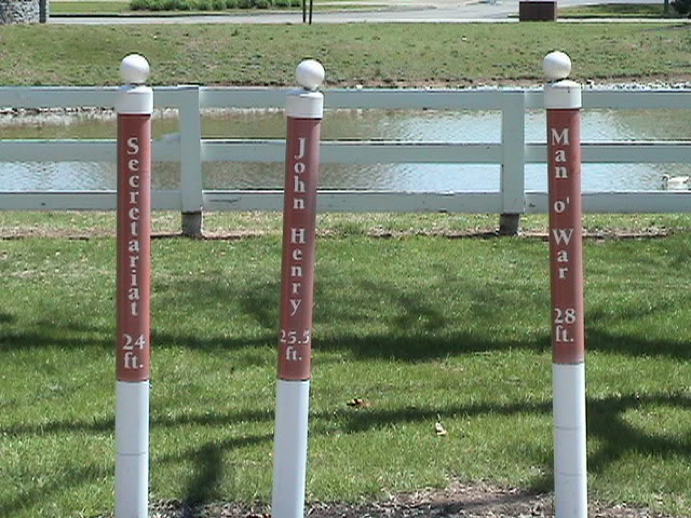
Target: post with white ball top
(304,111)
(563,103)
(134,105)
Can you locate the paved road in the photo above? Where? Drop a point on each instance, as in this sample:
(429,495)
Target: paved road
(433,11)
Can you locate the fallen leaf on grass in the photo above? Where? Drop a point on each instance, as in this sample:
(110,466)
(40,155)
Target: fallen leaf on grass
(440,430)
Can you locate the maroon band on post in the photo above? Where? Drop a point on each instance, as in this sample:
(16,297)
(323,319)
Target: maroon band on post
(297,270)
(133,247)
(565,235)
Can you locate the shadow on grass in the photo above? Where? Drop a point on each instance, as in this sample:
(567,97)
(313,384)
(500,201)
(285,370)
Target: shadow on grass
(605,422)
(417,327)
(203,485)
(367,319)
(73,477)
(44,333)
(209,472)
(107,425)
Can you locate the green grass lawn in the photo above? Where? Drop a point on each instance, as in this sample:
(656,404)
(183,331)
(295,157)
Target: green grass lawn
(67,8)
(655,10)
(88,7)
(370,54)
(426,328)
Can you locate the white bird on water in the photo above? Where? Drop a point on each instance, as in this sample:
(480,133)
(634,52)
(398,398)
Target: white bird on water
(676,183)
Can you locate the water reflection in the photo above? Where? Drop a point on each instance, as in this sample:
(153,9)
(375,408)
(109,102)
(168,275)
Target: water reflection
(428,126)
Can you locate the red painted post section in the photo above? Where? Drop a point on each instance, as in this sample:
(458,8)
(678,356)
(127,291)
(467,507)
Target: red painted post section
(565,235)
(134,251)
(297,272)
(134,105)
(563,103)
(304,111)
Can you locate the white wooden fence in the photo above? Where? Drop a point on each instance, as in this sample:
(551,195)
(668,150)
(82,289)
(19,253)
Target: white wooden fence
(512,153)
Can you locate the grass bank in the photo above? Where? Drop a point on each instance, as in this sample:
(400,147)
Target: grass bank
(653,10)
(424,327)
(370,54)
(91,8)
(195,7)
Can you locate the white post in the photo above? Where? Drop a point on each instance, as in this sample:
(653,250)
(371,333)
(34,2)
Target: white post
(132,447)
(134,106)
(304,111)
(512,162)
(563,104)
(570,464)
(191,162)
(290,448)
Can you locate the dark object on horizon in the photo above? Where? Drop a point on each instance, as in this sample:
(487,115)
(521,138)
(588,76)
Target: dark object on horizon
(304,11)
(682,7)
(537,10)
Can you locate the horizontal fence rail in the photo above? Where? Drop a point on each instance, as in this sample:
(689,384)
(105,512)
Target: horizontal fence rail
(190,150)
(334,152)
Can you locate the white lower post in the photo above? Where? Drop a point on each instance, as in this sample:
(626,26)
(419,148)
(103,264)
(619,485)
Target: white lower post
(132,449)
(134,104)
(304,113)
(563,102)
(290,453)
(570,473)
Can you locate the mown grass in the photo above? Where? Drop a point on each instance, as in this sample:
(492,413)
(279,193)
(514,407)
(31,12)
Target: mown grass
(655,10)
(425,328)
(62,7)
(369,54)
(67,7)
(198,7)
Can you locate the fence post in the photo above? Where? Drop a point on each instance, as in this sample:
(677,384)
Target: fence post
(563,103)
(134,107)
(304,110)
(191,161)
(512,162)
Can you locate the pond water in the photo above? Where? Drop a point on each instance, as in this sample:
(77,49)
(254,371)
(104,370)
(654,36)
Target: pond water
(428,126)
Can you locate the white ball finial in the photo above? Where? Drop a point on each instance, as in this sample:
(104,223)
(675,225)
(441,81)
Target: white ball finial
(556,66)
(134,69)
(310,74)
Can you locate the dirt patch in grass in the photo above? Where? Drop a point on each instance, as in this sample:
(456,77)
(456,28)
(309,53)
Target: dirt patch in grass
(542,235)
(84,235)
(235,235)
(456,501)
